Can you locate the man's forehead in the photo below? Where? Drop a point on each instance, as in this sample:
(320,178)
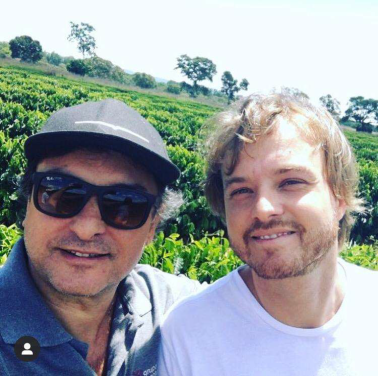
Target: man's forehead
(283,147)
(82,161)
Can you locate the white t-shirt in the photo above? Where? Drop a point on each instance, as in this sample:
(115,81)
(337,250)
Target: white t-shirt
(223,330)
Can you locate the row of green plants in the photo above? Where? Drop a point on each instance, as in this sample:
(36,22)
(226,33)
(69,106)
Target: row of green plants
(26,101)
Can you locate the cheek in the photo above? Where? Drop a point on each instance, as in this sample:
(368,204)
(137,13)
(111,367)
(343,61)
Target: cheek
(316,206)
(236,217)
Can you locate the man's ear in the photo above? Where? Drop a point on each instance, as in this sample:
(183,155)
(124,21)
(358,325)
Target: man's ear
(153,225)
(340,209)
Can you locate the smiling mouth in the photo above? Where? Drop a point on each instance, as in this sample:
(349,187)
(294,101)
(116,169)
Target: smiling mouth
(273,236)
(84,255)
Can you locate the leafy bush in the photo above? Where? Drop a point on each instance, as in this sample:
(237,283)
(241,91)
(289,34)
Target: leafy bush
(366,227)
(26,49)
(206,259)
(363,255)
(54,58)
(364,127)
(4,50)
(102,68)
(144,80)
(119,75)
(77,66)
(8,237)
(12,165)
(173,87)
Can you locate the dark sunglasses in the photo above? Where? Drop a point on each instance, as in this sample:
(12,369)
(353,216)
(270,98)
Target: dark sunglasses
(64,196)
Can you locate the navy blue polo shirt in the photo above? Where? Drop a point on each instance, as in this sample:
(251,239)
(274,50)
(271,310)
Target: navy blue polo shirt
(142,299)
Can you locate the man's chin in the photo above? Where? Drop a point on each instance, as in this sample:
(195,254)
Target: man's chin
(276,268)
(80,289)
(270,270)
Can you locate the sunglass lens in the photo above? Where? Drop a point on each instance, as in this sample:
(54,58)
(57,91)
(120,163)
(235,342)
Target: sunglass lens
(124,209)
(60,196)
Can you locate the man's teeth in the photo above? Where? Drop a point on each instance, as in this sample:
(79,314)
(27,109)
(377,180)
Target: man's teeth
(78,254)
(273,236)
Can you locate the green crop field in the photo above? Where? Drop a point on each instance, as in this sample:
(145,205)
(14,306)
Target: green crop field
(194,242)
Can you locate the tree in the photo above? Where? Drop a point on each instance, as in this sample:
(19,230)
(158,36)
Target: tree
(54,58)
(98,67)
(332,105)
(362,111)
(144,80)
(86,43)
(197,69)
(26,49)
(230,86)
(293,91)
(244,84)
(78,67)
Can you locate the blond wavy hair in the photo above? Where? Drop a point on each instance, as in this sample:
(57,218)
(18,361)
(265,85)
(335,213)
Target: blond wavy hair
(259,115)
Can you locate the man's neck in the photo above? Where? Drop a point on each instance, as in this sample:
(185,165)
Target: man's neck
(88,319)
(83,318)
(307,301)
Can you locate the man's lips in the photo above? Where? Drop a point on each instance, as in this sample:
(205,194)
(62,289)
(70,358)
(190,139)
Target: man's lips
(271,235)
(84,255)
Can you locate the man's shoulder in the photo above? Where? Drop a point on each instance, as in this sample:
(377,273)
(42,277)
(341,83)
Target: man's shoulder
(149,274)
(158,286)
(359,274)
(204,303)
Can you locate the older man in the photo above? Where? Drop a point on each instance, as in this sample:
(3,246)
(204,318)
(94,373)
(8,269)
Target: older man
(73,301)
(282,175)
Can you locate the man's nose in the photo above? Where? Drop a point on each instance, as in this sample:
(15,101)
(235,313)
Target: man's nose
(267,206)
(88,222)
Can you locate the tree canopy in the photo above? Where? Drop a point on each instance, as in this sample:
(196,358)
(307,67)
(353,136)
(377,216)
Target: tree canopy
(196,70)
(86,43)
(26,49)
(332,105)
(293,91)
(230,86)
(54,58)
(78,67)
(362,111)
(144,80)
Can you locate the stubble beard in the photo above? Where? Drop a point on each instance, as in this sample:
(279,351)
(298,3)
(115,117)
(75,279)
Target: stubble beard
(52,277)
(267,263)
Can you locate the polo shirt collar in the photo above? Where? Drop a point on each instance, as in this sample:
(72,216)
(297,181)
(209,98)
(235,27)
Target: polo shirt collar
(135,296)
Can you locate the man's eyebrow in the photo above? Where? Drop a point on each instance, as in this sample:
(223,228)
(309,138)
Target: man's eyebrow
(287,169)
(236,179)
(280,171)
(60,170)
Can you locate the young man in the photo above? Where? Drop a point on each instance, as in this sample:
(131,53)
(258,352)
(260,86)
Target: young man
(96,190)
(282,175)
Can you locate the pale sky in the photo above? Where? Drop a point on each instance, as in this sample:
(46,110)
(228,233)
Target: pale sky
(321,47)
